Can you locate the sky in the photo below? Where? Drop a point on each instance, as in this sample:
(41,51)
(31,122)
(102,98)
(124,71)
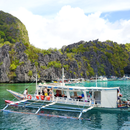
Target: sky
(55,23)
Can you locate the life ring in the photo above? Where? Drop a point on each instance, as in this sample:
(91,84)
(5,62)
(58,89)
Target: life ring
(29,97)
(42,97)
(48,98)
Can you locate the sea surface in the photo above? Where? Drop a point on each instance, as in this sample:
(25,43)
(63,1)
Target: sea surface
(92,120)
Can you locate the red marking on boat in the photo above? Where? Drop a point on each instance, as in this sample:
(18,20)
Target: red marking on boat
(8,101)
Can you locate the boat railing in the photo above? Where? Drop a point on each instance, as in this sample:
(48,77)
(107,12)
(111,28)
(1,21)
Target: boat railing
(75,101)
(94,102)
(72,101)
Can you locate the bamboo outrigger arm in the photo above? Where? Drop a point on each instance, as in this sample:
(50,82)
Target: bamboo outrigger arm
(14,103)
(85,110)
(44,107)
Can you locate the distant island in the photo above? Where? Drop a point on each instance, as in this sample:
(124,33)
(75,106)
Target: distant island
(20,61)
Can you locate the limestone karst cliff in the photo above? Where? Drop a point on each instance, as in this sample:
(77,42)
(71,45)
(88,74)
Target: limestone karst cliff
(20,61)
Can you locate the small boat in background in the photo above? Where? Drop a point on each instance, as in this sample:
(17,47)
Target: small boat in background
(102,79)
(124,78)
(99,79)
(112,78)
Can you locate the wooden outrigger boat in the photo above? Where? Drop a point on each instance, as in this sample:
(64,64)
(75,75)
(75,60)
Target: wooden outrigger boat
(72,99)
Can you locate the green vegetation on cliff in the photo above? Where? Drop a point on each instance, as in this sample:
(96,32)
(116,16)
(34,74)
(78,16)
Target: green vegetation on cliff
(12,29)
(54,64)
(96,53)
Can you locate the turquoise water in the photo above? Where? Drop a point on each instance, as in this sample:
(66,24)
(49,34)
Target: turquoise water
(98,120)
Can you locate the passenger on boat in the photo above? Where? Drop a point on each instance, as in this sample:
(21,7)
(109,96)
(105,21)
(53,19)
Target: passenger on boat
(45,92)
(58,93)
(119,98)
(128,102)
(90,94)
(63,95)
(25,93)
(75,95)
(51,93)
(42,92)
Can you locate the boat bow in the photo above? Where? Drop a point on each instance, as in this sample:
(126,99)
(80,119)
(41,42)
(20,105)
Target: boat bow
(19,96)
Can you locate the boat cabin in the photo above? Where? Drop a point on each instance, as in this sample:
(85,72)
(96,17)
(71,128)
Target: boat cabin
(98,96)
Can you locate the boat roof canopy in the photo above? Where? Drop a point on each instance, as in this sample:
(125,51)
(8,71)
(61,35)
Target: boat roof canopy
(79,88)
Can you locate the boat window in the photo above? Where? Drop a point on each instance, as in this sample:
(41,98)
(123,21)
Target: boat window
(72,94)
(75,94)
(54,91)
(59,93)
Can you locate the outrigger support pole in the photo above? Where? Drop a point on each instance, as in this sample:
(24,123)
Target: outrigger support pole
(85,110)
(5,107)
(80,114)
(38,110)
(45,106)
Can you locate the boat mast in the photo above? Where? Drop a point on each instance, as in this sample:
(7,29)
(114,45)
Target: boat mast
(36,84)
(63,84)
(96,80)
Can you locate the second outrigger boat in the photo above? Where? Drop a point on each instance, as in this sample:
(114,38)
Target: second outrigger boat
(72,98)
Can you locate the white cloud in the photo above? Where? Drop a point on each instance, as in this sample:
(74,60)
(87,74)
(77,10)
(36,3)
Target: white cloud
(71,25)
(50,7)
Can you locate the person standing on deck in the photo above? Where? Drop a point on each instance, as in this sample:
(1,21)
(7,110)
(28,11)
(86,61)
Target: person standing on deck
(25,93)
(45,92)
(51,93)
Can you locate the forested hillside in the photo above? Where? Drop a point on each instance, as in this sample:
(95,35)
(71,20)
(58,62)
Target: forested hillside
(12,29)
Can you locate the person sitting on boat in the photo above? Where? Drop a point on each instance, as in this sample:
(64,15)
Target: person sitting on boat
(58,93)
(128,102)
(25,93)
(119,98)
(90,94)
(63,95)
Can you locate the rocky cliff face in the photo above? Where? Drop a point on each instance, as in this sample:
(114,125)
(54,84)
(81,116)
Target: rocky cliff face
(82,59)
(20,74)
(4,63)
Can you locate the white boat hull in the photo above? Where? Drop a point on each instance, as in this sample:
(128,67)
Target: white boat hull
(70,103)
